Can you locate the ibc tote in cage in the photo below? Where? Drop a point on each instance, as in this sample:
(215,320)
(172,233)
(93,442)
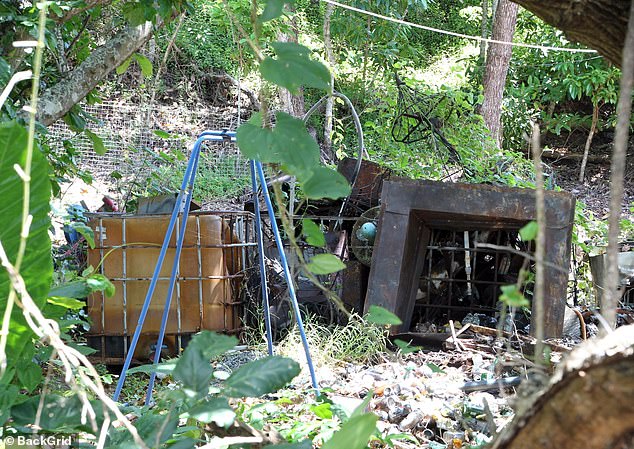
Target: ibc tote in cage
(218,248)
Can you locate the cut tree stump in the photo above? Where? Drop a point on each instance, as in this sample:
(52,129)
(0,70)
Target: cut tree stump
(589,403)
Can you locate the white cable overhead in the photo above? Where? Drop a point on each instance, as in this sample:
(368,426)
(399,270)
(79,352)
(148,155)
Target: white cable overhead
(452,33)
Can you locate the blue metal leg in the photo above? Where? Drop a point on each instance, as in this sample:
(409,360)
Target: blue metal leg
(287,274)
(263,279)
(179,248)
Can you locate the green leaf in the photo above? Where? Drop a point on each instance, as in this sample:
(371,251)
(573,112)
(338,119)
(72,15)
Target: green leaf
(254,141)
(322,411)
(305,444)
(529,231)
(145,64)
(68,303)
(293,146)
(313,234)
(261,376)
(193,368)
(326,183)
(124,66)
(8,397)
(85,231)
(273,9)
(57,414)
(212,344)
(37,265)
(361,408)
(98,282)
(73,289)
(435,368)
(97,142)
(293,68)
(325,264)
(29,375)
(513,297)
(354,433)
(162,368)
(162,134)
(406,347)
(81,348)
(217,410)
(379,315)
(73,118)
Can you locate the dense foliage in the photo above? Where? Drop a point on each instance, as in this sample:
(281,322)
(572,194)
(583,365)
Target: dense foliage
(560,90)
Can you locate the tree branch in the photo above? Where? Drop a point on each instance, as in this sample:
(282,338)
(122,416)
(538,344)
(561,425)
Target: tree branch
(57,101)
(89,4)
(599,24)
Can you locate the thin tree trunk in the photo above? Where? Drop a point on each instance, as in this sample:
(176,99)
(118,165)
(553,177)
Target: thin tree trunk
(586,150)
(330,102)
(484,32)
(497,64)
(294,104)
(624,114)
(540,249)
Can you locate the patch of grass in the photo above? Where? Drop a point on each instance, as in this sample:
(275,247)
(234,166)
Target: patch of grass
(357,341)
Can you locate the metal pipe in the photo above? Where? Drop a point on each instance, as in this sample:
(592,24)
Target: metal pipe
(260,241)
(175,266)
(287,274)
(148,298)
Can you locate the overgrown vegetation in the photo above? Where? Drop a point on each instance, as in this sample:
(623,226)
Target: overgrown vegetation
(41,297)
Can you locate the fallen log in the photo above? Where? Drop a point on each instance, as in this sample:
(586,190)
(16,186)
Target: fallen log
(588,403)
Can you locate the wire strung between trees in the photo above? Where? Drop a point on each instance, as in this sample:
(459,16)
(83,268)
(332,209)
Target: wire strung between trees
(453,33)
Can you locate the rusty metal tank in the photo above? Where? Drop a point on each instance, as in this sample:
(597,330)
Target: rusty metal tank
(216,250)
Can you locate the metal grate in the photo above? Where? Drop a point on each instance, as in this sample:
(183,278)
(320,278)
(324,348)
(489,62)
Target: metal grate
(127,130)
(444,292)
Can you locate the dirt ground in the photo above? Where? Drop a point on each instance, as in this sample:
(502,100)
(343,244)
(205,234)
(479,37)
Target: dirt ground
(594,191)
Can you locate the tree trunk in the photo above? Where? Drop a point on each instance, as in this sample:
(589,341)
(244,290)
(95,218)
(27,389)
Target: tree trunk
(327,148)
(57,101)
(292,103)
(586,150)
(599,24)
(617,172)
(587,404)
(497,65)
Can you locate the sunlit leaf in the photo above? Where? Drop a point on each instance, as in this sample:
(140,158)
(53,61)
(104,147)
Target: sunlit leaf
(145,64)
(261,376)
(97,142)
(382,316)
(325,264)
(326,183)
(406,347)
(354,433)
(37,265)
(529,231)
(68,303)
(216,409)
(273,9)
(313,234)
(293,68)
(513,297)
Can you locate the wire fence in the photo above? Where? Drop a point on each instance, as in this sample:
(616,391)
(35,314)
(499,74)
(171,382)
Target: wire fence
(128,132)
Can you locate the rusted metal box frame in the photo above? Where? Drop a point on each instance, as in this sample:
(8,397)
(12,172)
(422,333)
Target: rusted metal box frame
(409,209)
(236,250)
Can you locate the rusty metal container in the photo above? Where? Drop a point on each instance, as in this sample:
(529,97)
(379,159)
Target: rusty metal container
(216,251)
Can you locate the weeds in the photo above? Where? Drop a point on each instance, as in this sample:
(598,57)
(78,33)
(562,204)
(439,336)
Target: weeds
(357,341)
